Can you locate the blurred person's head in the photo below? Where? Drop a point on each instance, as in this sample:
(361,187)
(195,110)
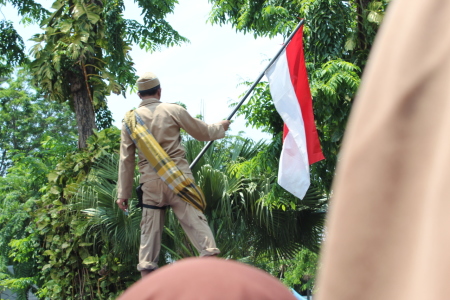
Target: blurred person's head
(208,278)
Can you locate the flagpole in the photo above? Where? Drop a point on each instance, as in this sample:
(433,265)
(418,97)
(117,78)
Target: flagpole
(250,90)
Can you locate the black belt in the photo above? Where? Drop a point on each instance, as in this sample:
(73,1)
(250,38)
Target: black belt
(154,207)
(140,204)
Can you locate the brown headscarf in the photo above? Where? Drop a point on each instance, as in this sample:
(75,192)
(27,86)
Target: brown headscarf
(389,222)
(206,279)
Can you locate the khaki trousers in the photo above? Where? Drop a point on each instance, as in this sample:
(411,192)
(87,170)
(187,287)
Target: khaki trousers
(193,222)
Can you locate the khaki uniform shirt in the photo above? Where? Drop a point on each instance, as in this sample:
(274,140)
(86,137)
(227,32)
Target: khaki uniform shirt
(164,121)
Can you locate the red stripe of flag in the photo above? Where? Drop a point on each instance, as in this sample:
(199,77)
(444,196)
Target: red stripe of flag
(299,77)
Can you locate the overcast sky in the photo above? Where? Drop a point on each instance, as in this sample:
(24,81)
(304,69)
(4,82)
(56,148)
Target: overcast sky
(203,74)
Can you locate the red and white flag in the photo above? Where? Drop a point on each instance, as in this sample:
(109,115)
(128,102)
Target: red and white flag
(290,91)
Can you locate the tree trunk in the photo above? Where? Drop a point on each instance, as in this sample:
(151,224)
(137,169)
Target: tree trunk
(361,6)
(84,110)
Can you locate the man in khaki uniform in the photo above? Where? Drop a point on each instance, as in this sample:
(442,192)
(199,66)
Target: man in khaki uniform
(164,121)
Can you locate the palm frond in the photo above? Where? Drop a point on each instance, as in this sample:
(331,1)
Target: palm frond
(105,222)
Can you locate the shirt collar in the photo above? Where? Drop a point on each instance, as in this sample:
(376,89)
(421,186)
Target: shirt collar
(149,101)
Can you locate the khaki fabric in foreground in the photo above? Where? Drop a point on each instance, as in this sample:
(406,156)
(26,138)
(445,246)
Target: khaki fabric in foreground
(388,229)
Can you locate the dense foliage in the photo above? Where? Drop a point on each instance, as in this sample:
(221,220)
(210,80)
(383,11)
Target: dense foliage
(12,48)
(51,238)
(24,112)
(338,37)
(35,135)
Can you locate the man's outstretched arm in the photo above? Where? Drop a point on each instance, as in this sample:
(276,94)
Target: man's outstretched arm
(200,130)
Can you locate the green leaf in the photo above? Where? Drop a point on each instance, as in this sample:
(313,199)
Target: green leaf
(57,202)
(93,17)
(85,244)
(52,177)
(80,9)
(54,190)
(84,36)
(94,269)
(57,4)
(90,260)
(66,26)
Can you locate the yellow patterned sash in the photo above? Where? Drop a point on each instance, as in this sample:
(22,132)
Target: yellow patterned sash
(182,186)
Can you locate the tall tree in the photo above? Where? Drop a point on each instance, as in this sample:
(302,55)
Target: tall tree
(83,55)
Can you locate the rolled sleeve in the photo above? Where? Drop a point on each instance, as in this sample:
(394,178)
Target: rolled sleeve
(126,165)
